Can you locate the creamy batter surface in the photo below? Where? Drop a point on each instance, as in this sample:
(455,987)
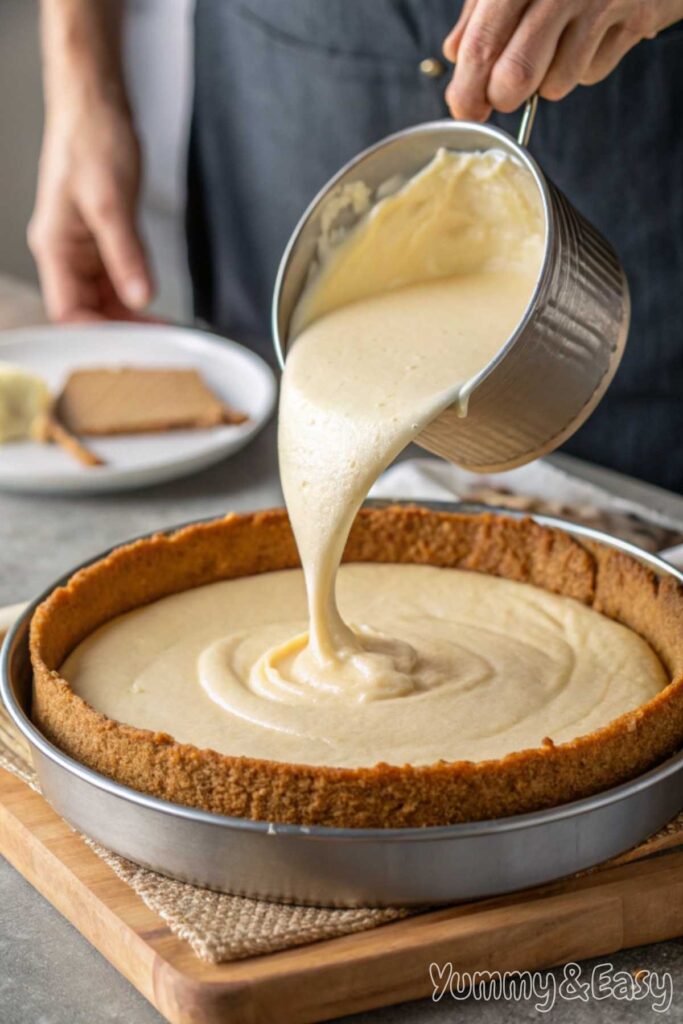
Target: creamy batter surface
(493,666)
(414,664)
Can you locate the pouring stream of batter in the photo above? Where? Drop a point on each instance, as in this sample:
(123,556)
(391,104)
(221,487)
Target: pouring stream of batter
(401,315)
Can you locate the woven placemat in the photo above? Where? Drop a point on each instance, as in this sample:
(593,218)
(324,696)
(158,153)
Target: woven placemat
(220,928)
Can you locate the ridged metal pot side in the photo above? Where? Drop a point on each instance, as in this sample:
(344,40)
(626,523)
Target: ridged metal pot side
(556,368)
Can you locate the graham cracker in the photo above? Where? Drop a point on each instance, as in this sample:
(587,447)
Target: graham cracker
(99,402)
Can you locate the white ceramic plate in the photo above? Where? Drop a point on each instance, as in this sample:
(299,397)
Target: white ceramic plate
(135,460)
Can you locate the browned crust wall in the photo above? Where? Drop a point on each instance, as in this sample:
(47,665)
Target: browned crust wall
(382,796)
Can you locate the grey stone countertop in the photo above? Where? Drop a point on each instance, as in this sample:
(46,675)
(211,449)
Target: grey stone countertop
(49,974)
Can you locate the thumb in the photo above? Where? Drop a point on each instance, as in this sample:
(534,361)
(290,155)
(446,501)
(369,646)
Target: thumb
(112,222)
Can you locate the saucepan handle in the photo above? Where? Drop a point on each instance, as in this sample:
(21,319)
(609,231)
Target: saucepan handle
(527,122)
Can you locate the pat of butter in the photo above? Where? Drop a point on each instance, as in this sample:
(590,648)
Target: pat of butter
(24,399)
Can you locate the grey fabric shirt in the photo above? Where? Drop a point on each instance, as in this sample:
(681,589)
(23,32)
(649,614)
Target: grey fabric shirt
(286,91)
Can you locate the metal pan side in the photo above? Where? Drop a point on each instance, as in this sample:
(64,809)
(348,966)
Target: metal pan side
(346,867)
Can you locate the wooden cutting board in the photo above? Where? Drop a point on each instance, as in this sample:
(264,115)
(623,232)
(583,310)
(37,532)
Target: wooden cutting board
(599,913)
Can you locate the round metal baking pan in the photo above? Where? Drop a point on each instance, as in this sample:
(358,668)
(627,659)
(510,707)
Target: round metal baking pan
(346,867)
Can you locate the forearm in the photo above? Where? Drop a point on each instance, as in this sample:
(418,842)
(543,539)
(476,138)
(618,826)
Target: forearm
(83,232)
(81,44)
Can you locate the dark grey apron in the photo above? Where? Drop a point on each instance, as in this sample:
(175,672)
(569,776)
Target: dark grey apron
(286,91)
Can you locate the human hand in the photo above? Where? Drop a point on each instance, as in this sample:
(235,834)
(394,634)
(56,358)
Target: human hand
(83,232)
(505,50)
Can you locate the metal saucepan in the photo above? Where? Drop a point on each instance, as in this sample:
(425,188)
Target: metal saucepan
(552,372)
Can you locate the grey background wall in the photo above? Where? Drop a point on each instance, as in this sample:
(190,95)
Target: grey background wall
(157,46)
(20,121)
